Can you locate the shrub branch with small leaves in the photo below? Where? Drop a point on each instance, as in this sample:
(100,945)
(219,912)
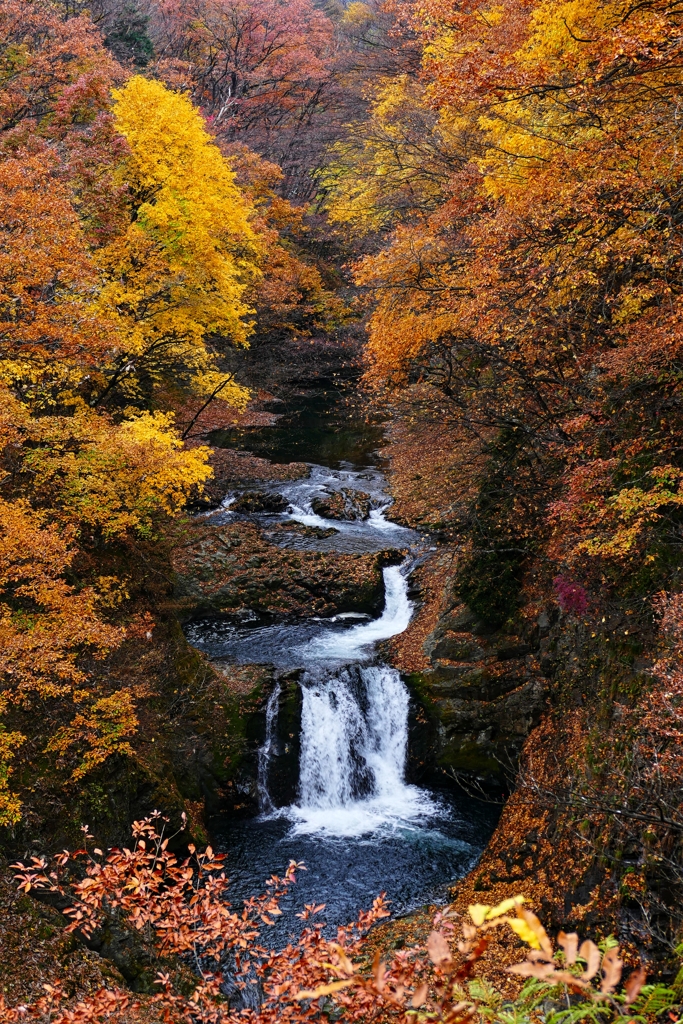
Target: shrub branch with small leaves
(181,907)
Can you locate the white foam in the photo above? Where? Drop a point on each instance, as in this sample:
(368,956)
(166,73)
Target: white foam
(364,817)
(266,751)
(356,644)
(377,520)
(354,741)
(309,518)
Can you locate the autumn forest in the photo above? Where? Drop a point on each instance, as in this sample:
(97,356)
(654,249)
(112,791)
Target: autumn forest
(341,493)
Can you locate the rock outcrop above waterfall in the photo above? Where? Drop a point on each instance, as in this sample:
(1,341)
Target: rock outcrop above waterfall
(221,569)
(477,693)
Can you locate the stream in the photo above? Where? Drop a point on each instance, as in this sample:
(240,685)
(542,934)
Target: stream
(357,824)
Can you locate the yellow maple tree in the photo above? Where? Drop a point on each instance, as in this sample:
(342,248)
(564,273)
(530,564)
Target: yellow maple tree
(179,272)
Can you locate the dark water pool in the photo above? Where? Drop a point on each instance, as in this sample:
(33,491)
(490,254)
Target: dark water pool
(318,424)
(413,862)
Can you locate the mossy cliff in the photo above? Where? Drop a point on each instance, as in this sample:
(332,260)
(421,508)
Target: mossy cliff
(479,698)
(477,690)
(194,750)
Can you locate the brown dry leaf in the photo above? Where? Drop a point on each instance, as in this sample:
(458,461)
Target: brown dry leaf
(611,969)
(344,961)
(570,945)
(634,984)
(438,949)
(460,1012)
(571,980)
(528,969)
(378,971)
(419,996)
(589,952)
(537,954)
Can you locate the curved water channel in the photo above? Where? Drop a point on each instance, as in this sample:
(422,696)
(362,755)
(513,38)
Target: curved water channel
(357,825)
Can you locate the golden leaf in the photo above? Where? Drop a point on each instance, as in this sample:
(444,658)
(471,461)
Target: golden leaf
(478,912)
(325,990)
(525,933)
(502,908)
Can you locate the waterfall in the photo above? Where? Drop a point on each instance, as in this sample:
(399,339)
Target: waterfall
(354,729)
(387,720)
(266,751)
(354,737)
(354,743)
(333,729)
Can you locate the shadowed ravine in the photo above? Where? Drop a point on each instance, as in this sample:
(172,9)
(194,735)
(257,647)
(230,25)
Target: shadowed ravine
(356,823)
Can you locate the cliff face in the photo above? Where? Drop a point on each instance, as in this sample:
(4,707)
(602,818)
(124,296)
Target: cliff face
(482,691)
(552,708)
(477,691)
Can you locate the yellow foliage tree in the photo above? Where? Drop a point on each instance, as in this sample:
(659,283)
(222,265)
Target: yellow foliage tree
(101,307)
(395,166)
(102,729)
(116,480)
(179,273)
(10,805)
(113,478)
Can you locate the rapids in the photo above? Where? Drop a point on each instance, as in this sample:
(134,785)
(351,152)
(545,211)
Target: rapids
(357,824)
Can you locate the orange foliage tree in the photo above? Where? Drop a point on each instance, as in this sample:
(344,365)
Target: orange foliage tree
(130,256)
(530,289)
(290,297)
(533,278)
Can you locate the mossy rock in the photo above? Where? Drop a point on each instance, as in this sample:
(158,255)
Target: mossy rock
(470,757)
(457,649)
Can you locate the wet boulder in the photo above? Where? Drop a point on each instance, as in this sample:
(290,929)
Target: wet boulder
(330,506)
(346,504)
(282,767)
(259,501)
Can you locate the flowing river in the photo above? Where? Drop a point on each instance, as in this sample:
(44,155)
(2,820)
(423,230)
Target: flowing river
(357,825)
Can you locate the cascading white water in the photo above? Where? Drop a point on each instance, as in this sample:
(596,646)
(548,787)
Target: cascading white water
(266,751)
(354,729)
(387,721)
(348,754)
(354,741)
(355,644)
(333,741)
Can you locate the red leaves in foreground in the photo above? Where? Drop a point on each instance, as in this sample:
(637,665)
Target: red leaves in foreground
(181,908)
